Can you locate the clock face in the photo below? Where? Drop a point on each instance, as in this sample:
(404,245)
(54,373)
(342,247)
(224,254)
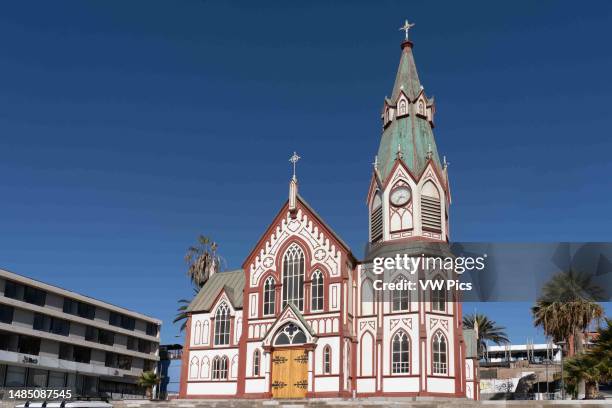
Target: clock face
(400,196)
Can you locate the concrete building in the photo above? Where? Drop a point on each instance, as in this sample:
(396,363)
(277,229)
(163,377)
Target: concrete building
(54,338)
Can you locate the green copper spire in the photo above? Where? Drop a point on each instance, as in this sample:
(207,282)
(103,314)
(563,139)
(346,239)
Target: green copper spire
(411,133)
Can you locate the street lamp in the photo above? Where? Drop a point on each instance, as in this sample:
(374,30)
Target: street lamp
(561,344)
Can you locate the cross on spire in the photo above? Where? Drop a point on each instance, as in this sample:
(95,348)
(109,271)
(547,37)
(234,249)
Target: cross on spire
(294,159)
(406,27)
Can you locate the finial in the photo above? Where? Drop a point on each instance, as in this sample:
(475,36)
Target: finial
(375,164)
(406,27)
(294,159)
(429,152)
(445,163)
(399,151)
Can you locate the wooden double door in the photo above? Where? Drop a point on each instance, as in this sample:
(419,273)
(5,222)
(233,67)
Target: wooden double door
(289,373)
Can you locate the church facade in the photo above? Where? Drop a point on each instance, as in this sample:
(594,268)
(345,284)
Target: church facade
(303,318)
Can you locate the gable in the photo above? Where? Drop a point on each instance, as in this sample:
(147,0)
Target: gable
(231,283)
(324,246)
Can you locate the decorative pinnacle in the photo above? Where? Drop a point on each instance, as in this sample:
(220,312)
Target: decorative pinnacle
(445,163)
(375,164)
(294,159)
(399,151)
(406,27)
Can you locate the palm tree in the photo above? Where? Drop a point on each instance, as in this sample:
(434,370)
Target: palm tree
(148,380)
(202,260)
(182,314)
(567,307)
(592,366)
(486,329)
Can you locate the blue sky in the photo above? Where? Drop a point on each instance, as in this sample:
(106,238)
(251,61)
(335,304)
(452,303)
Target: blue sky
(127,128)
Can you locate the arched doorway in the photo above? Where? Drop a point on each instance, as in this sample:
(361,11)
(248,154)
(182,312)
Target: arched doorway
(289,363)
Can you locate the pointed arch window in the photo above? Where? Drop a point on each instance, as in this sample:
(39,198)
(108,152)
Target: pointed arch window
(219,368)
(430,207)
(222,325)
(327,360)
(400,297)
(290,334)
(367,298)
(376,219)
(402,107)
(256,363)
(400,358)
(269,297)
(293,277)
(438,295)
(193,367)
(421,108)
(316,303)
(440,354)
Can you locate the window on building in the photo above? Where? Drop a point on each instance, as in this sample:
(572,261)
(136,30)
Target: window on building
(81,354)
(293,277)
(400,359)
(132,343)
(37,378)
(256,363)
(28,345)
(317,291)
(74,307)
(269,297)
(402,107)
(91,333)
(8,341)
(111,360)
(152,329)
(120,320)
(124,362)
(24,293)
(51,324)
(222,325)
(438,298)
(430,208)
(440,354)
(144,346)
(148,365)
(219,368)
(327,360)
(6,314)
(56,379)
(400,298)
(376,219)
(106,337)
(290,334)
(15,376)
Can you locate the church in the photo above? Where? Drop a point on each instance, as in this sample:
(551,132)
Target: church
(302,317)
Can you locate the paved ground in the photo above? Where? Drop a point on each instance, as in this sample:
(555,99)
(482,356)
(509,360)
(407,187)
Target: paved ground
(332,403)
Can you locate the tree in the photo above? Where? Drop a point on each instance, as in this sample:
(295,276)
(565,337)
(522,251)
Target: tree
(592,366)
(182,314)
(486,329)
(202,260)
(567,307)
(148,380)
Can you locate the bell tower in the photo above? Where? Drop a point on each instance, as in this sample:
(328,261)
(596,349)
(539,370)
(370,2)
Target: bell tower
(409,193)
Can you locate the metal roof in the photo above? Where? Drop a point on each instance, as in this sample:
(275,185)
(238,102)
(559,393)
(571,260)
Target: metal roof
(231,281)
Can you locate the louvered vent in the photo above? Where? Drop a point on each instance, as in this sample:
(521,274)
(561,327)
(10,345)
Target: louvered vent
(376,221)
(430,211)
